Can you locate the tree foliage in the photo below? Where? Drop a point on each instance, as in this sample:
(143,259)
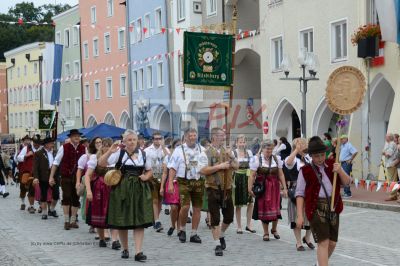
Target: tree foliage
(15,35)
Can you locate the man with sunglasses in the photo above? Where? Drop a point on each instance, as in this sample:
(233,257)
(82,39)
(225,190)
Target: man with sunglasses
(156,153)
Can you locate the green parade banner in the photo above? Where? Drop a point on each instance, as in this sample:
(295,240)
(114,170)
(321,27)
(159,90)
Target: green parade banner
(47,119)
(208,60)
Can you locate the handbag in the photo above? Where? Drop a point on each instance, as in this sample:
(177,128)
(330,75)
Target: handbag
(259,187)
(25,178)
(292,193)
(81,189)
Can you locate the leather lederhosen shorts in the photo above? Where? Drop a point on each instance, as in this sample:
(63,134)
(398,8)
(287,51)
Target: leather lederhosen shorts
(324,224)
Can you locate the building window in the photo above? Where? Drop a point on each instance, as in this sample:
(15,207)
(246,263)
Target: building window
(11,121)
(67,108)
(58,37)
(66,38)
(67,70)
(149,76)
(25,70)
(158,20)
(109,87)
(26,118)
(87,92)
(181,10)
(85,50)
(211,7)
(37,94)
(18,72)
(180,67)
(95,47)
(110,8)
(30,96)
(75,35)
(20,119)
(372,15)
(77,69)
(132,32)
(160,74)
(277,53)
(107,43)
(135,80)
(139,30)
(140,79)
(93,15)
(11,72)
(35,68)
(307,40)
(97,90)
(122,85)
(25,95)
(77,107)
(339,41)
(121,38)
(147,25)
(31,121)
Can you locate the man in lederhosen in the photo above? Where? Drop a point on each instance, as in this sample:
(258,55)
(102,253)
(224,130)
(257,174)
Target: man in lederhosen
(67,158)
(43,160)
(218,174)
(25,167)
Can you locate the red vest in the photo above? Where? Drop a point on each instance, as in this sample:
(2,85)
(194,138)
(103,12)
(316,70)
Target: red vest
(313,186)
(27,165)
(69,162)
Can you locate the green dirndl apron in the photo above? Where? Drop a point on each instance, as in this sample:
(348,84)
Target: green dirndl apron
(83,202)
(241,195)
(131,204)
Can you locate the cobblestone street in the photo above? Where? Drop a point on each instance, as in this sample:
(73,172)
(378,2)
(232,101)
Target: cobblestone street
(367,237)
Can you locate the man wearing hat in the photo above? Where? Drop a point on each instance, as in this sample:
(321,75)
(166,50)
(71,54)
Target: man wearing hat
(43,160)
(347,155)
(67,159)
(313,193)
(25,167)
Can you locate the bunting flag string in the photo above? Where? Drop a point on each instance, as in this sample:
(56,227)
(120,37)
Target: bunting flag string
(167,56)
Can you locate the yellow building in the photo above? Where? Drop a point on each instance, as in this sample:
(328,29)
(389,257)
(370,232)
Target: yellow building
(29,67)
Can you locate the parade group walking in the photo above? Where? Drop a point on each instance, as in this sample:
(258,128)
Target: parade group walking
(121,186)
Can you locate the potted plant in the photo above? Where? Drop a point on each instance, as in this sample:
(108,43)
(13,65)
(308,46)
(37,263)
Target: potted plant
(366,38)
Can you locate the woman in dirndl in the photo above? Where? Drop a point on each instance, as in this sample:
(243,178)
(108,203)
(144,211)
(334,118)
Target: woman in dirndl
(94,146)
(294,162)
(240,176)
(98,194)
(171,199)
(130,206)
(267,169)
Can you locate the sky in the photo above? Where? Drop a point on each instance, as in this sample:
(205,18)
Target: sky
(6,4)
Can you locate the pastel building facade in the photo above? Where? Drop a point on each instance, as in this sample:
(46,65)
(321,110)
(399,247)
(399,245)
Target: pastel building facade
(104,63)
(67,33)
(3,99)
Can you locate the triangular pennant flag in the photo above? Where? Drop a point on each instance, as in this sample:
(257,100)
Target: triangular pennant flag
(379,186)
(144,30)
(356,181)
(392,186)
(368,181)
(20,21)
(163,30)
(172,53)
(373,185)
(170,30)
(130,28)
(385,186)
(362,183)
(178,30)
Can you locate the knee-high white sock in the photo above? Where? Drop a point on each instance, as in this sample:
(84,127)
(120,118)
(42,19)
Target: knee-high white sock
(3,189)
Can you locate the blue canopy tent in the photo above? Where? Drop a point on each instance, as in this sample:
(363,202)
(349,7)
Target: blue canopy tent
(148,132)
(101,130)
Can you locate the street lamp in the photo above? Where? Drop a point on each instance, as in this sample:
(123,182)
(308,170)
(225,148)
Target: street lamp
(307,61)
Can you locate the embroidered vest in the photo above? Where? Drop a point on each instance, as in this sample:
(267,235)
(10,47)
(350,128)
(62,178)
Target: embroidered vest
(27,164)
(69,162)
(223,178)
(313,186)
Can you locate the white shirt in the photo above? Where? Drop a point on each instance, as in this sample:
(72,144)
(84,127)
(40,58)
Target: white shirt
(299,163)
(113,159)
(245,158)
(156,157)
(83,160)
(21,155)
(195,161)
(278,149)
(50,157)
(255,162)
(60,155)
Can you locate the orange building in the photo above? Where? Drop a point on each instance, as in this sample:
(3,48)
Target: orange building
(104,63)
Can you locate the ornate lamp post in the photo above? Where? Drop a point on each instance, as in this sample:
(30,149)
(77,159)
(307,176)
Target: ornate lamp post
(307,61)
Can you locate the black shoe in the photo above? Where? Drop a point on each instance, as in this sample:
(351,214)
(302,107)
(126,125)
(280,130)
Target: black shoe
(1,193)
(195,239)
(96,237)
(39,210)
(5,195)
(77,218)
(170,231)
(125,254)
(189,220)
(166,211)
(158,227)
(102,243)
(116,245)
(53,213)
(223,243)
(218,251)
(182,236)
(140,257)
(44,217)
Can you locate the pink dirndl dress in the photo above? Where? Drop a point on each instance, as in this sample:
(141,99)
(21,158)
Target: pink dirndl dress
(101,197)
